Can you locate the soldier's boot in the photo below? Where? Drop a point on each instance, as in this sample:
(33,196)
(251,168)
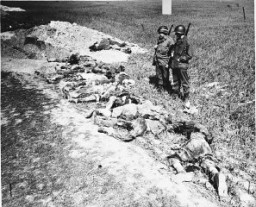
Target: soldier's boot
(160,88)
(168,88)
(175,92)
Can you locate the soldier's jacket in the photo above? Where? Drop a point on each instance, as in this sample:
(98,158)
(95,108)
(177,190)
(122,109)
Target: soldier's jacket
(180,54)
(162,53)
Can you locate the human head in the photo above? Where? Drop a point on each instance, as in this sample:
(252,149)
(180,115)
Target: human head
(163,30)
(180,30)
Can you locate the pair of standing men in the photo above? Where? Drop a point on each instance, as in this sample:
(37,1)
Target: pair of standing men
(174,55)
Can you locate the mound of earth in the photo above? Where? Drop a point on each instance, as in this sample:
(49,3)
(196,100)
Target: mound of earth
(58,40)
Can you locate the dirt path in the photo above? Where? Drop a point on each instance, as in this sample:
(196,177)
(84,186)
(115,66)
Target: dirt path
(53,156)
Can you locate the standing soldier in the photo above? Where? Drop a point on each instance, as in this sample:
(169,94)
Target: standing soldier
(162,56)
(180,56)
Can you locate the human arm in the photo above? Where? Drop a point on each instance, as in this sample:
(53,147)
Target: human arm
(186,52)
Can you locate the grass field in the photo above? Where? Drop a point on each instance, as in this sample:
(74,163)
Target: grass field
(224,51)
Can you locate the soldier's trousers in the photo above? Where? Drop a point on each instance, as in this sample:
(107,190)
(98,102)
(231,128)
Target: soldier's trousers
(180,79)
(162,74)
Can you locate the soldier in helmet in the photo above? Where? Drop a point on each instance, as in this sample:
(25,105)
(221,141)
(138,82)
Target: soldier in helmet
(162,56)
(179,62)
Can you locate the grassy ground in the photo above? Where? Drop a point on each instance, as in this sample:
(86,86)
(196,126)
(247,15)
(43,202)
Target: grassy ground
(223,45)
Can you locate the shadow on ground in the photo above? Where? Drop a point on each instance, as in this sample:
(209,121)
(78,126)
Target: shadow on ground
(31,162)
(153,80)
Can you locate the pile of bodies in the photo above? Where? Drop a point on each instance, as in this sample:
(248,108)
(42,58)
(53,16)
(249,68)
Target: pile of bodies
(127,117)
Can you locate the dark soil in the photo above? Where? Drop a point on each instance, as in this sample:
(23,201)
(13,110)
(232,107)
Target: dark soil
(31,164)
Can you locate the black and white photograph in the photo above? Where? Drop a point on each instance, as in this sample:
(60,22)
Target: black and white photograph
(128,103)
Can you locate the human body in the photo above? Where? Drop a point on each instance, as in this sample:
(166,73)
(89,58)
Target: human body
(179,63)
(162,56)
(197,149)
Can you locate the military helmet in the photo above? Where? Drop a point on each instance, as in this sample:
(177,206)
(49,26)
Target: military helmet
(180,29)
(163,29)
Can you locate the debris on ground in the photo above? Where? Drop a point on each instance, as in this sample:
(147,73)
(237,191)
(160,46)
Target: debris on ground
(127,117)
(214,90)
(191,110)
(100,85)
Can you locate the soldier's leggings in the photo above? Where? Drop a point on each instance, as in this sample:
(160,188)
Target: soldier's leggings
(162,74)
(180,78)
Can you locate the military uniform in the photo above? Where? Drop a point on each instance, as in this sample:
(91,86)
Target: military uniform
(161,59)
(179,62)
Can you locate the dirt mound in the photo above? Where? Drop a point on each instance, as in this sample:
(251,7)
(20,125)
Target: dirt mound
(30,44)
(59,40)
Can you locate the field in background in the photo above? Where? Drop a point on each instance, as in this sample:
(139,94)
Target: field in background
(224,52)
